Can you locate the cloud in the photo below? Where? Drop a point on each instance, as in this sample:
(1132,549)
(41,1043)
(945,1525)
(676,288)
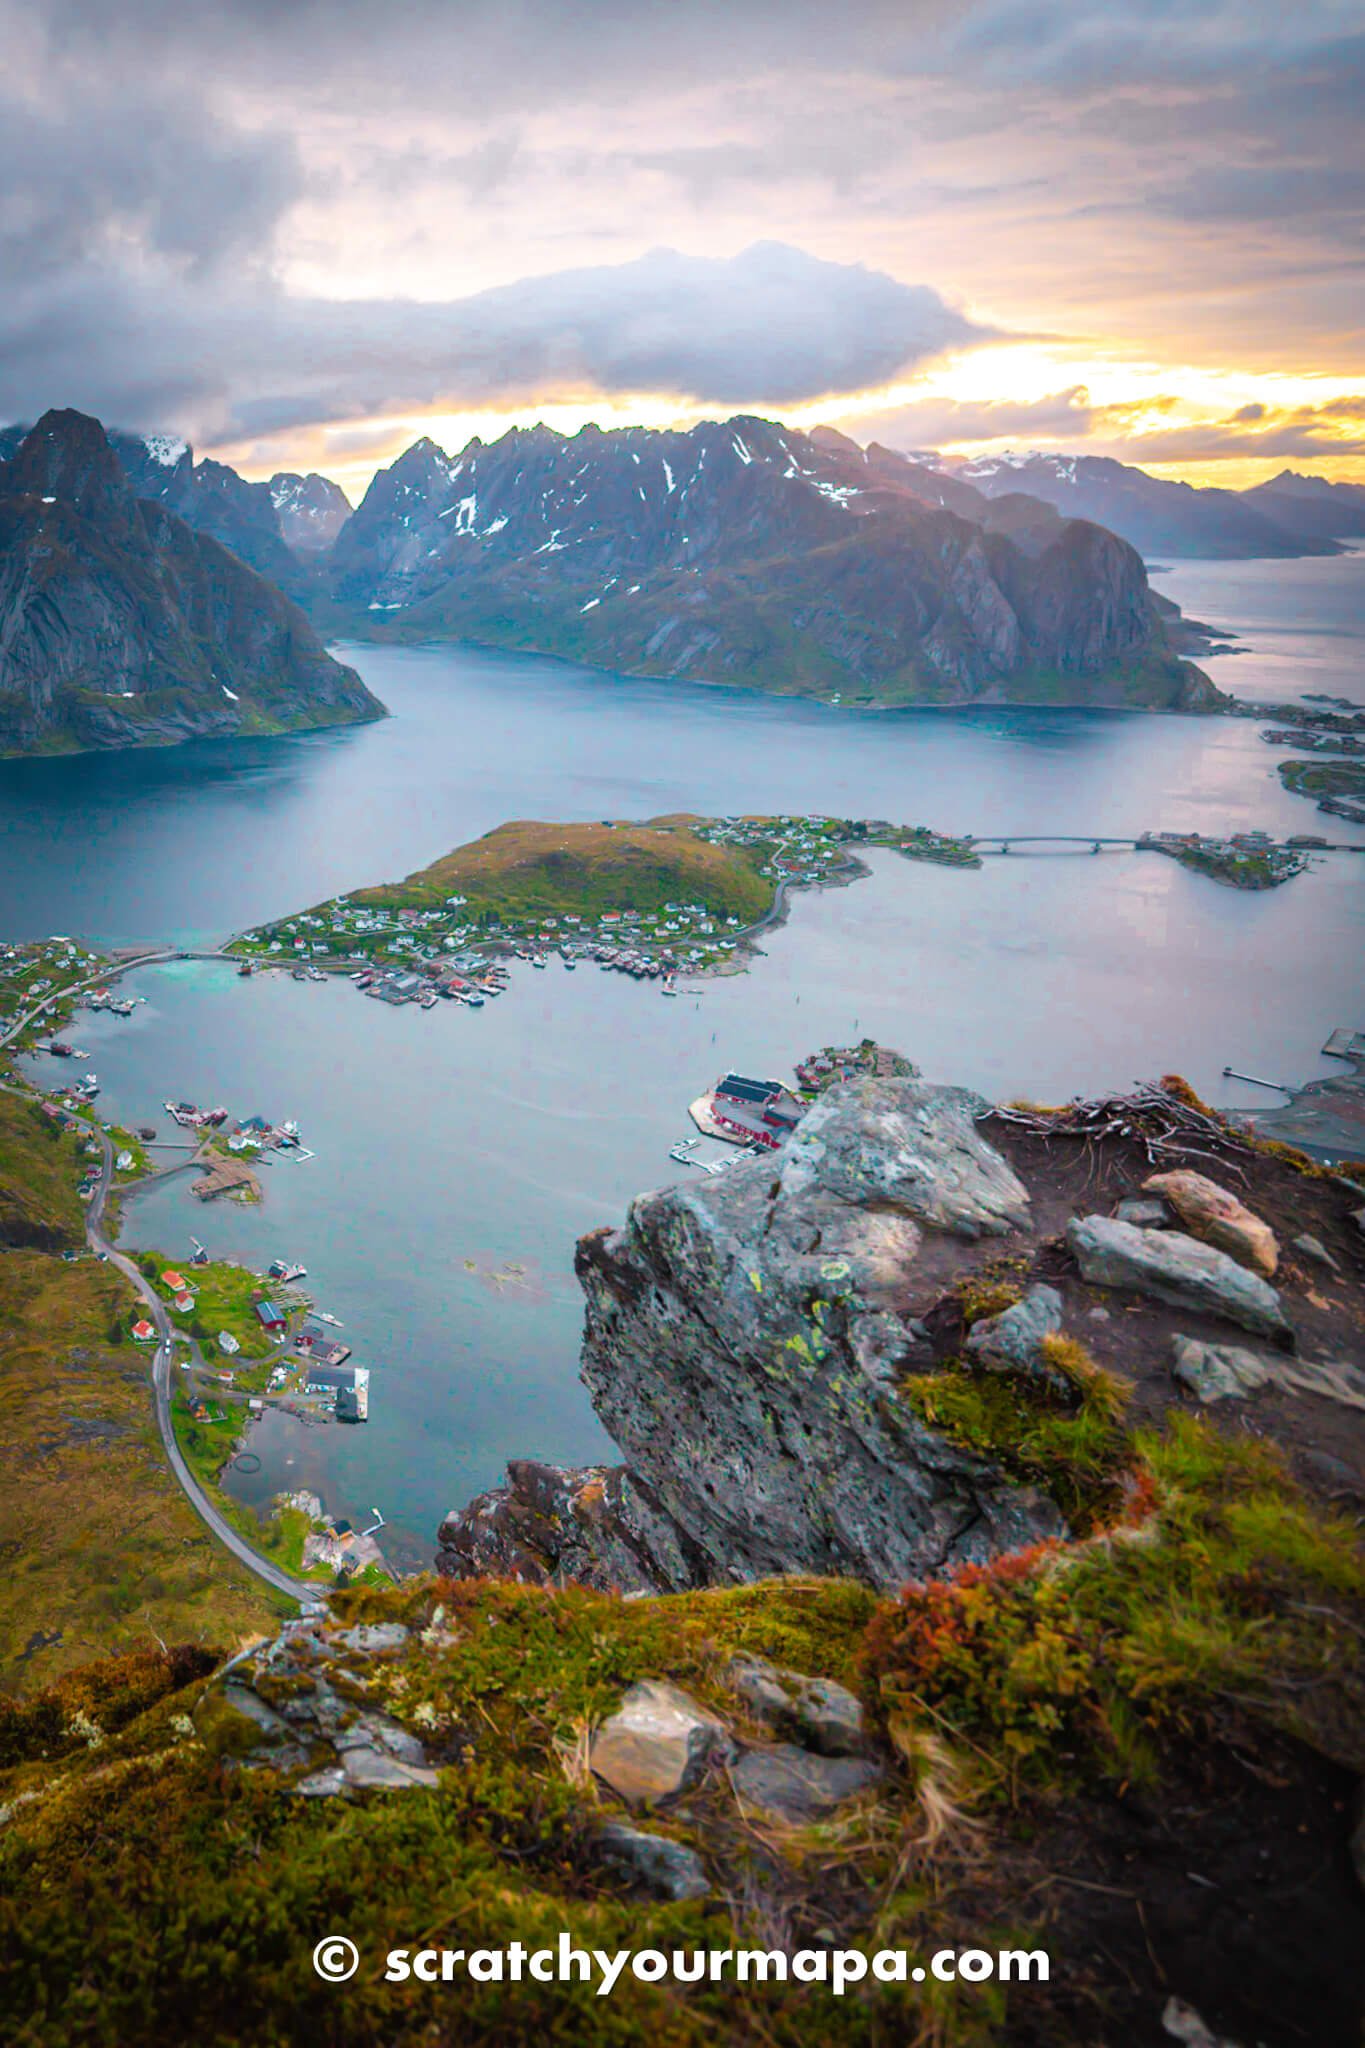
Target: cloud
(944,422)
(1310,433)
(772,325)
(247,217)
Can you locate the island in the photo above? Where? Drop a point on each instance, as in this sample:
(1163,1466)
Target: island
(658,897)
(1338,785)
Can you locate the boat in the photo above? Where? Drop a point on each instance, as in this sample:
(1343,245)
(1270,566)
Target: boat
(290,1128)
(59,1051)
(569,964)
(298,974)
(246,968)
(668,989)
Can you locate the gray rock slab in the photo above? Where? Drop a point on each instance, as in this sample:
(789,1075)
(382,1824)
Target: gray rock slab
(1313,1248)
(1219,1372)
(1172,1267)
(789,1784)
(670,1870)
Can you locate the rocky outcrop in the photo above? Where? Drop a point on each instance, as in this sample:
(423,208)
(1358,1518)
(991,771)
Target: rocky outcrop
(1181,1270)
(743,1343)
(120,626)
(744,551)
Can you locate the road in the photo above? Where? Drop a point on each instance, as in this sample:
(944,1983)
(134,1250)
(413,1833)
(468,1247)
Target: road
(220,1527)
(297,1589)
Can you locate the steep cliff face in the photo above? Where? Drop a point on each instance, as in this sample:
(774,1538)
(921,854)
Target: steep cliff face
(746,552)
(744,1340)
(120,625)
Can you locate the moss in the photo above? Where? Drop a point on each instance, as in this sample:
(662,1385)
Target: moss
(1054,1663)
(989,1289)
(1077,1452)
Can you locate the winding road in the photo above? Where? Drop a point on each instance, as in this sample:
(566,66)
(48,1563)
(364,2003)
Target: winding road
(161,1394)
(218,1525)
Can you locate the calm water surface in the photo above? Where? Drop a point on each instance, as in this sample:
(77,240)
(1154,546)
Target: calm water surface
(453,1143)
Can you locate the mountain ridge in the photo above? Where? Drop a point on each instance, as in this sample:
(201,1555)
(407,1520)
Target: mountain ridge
(121,625)
(744,552)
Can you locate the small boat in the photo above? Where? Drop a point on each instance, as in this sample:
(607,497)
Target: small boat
(246,968)
(290,1128)
(569,964)
(668,989)
(298,974)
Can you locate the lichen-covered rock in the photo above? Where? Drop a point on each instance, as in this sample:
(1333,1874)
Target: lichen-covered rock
(656,1744)
(744,1341)
(1013,1340)
(1216,1215)
(1173,1267)
(740,1348)
(596,1523)
(815,1712)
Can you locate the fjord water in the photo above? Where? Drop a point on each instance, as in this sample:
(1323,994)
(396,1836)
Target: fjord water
(454,1147)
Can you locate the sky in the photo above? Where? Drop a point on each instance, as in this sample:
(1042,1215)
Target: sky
(303,232)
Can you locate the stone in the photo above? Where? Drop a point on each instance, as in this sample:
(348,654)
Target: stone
(657,1744)
(815,1712)
(374,1638)
(1358,1218)
(1184,2024)
(1013,1340)
(325,1784)
(1216,1215)
(1313,1248)
(789,1784)
(375,1770)
(670,1870)
(1178,1269)
(909,1145)
(1219,1372)
(1142,1215)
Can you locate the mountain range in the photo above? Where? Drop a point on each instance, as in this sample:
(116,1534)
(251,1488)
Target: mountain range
(122,624)
(746,552)
(146,595)
(1288,515)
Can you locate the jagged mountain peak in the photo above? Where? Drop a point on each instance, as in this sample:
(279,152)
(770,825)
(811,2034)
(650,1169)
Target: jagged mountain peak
(66,456)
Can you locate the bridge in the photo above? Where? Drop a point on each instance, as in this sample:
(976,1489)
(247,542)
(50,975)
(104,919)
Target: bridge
(1047,842)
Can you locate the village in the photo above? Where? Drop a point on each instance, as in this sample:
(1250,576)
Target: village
(458,951)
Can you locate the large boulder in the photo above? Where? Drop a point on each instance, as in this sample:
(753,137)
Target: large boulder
(1178,1269)
(1215,1214)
